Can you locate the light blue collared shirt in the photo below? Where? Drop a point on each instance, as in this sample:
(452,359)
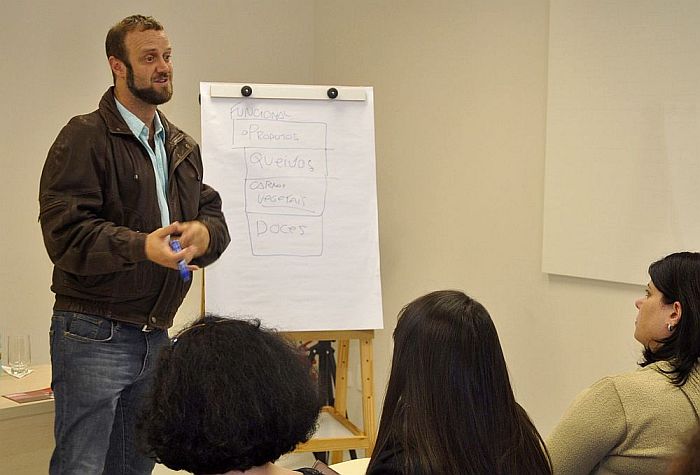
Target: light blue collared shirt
(158,157)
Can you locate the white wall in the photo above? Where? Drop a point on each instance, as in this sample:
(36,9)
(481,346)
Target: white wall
(460,94)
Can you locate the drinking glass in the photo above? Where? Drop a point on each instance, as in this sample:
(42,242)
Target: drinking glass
(19,354)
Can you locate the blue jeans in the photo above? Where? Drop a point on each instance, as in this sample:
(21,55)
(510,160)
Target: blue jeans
(101,374)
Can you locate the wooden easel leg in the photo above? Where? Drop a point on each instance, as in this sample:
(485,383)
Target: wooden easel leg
(368,421)
(341,387)
(341,376)
(361,438)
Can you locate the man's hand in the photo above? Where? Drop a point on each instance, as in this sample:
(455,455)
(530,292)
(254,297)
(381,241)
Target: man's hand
(158,248)
(193,234)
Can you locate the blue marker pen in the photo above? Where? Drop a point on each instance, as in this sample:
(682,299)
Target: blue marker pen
(182,265)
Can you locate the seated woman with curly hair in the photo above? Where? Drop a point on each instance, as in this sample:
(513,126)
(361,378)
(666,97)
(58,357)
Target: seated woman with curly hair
(229,397)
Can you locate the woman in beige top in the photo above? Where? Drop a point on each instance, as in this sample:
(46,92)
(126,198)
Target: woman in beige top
(635,423)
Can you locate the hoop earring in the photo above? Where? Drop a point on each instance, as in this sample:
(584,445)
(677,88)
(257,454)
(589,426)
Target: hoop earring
(671,327)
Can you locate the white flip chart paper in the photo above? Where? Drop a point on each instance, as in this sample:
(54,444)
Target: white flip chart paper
(297,180)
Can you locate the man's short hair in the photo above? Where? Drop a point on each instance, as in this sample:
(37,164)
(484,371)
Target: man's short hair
(114,44)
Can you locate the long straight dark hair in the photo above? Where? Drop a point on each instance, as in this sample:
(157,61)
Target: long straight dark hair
(677,276)
(449,406)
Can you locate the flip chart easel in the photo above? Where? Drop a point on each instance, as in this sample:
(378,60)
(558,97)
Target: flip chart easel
(361,438)
(295,168)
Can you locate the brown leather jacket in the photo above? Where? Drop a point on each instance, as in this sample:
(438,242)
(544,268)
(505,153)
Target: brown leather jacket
(97,204)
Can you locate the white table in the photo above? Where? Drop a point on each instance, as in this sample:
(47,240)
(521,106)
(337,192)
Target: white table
(26,430)
(351,467)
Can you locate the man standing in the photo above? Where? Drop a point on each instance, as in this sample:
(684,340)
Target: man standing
(117,185)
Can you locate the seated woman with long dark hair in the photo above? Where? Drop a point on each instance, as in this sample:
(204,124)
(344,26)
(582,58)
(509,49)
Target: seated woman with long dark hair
(229,397)
(635,423)
(449,407)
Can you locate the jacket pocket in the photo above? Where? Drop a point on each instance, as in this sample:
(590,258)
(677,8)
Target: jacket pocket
(133,219)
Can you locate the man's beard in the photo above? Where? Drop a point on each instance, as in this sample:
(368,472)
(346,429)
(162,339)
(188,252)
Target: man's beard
(149,95)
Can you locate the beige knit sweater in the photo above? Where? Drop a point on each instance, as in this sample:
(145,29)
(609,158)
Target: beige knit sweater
(632,424)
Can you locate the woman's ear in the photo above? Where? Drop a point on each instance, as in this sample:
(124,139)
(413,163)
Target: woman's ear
(675,316)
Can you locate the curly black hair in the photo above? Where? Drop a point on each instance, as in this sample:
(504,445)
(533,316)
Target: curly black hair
(228,395)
